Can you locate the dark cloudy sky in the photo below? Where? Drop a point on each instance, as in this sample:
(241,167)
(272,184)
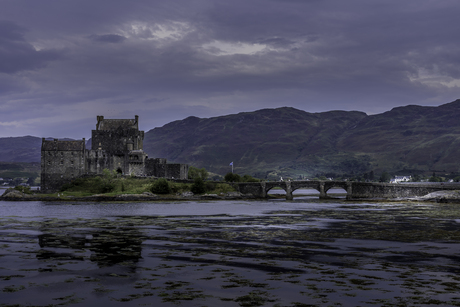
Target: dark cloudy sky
(62,62)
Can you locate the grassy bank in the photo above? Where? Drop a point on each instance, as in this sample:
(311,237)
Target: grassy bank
(110,185)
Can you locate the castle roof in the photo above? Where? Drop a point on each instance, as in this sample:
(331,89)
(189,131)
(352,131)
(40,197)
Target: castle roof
(114,124)
(63,145)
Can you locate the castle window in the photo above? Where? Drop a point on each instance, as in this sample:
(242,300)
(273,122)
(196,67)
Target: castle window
(71,162)
(49,162)
(62,162)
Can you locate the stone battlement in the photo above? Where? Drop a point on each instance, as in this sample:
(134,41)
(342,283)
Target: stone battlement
(116,145)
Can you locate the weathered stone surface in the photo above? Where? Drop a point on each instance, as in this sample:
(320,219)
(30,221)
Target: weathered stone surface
(117,145)
(233,194)
(14,194)
(440,197)
(137,196)
(355,190)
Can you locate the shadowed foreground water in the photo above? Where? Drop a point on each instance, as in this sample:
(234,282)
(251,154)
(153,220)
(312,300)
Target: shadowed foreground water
(230,253)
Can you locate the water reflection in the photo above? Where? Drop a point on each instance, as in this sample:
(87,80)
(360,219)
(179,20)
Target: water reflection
(312,194)
(229,253)
(107,247)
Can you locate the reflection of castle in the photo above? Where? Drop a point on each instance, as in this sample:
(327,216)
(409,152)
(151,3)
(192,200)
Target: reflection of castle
(116,144)
(108,247)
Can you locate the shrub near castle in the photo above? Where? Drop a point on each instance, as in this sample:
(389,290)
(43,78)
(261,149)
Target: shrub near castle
(109,184)
(161,186)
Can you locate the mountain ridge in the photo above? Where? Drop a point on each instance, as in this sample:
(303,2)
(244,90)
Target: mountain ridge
(287,141)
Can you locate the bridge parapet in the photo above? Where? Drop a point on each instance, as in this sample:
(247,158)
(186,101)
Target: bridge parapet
(261,189)
(355,190)
(397,190)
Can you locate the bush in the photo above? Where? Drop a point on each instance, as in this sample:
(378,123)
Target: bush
(219,188)
(194,173)
(385,177)
(107,187)
(198,186)
(230,177)
(23,189)
(161,186)
(248,178)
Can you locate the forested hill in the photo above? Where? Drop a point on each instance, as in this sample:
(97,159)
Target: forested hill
(286,141)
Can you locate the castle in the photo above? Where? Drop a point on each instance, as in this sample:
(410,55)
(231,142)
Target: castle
(116,145)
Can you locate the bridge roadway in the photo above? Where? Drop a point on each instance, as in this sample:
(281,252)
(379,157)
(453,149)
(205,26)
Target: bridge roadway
(355,190)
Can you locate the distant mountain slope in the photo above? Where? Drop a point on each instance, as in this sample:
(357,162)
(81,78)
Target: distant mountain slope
(257,141)
(287,141)
(291,142)
(20,149)
(414,137)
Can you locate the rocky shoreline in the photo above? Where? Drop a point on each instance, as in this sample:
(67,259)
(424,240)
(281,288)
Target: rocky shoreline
(14,195)
(452,196)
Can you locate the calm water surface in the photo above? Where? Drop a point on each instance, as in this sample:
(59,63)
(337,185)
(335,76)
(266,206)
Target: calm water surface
(304,252)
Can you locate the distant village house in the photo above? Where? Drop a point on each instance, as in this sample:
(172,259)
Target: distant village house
(398,179)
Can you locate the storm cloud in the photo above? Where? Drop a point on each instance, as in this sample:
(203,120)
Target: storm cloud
(64,62)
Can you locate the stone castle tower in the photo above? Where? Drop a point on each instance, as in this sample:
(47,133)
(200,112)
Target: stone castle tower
(116,144)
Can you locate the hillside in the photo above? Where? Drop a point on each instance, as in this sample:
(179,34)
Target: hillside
(256,142)
(20,149)
(411,137)
(290,142)
(286,141)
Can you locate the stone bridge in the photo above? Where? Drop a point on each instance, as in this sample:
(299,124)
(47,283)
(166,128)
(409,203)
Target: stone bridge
(354,190)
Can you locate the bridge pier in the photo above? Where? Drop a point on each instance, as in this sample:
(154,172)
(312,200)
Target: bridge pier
(349,191)
(264,189)
(322,192)
(289,195)
(354,189)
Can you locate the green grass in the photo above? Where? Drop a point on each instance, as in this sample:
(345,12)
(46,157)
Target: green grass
(111,186)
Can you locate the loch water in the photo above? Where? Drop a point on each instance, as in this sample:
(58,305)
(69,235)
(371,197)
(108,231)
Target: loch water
(304,252)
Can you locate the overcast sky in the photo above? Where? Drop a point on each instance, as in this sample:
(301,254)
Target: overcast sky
(62,63)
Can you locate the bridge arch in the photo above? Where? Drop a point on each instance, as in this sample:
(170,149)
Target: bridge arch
(353,189)
(275,184)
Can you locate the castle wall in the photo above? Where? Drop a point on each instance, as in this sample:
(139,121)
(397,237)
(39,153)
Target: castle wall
(96,161)
(155,167)
(160,168)
(117,145)
(176,171)
(136,169)
(117,141)
(61,161)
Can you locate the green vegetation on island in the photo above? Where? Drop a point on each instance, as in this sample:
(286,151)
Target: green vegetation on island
(111,183)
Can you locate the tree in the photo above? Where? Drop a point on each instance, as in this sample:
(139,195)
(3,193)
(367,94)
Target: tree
(231,177)
(415,178)
(198,186)
(161,186)
(385,177)
(194,173)
(371,176)
(31,180)
(248,178)
(435,179)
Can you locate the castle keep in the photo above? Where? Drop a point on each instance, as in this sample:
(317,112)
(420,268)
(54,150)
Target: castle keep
(116,144)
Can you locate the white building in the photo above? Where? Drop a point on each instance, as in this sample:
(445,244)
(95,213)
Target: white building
(399,179)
